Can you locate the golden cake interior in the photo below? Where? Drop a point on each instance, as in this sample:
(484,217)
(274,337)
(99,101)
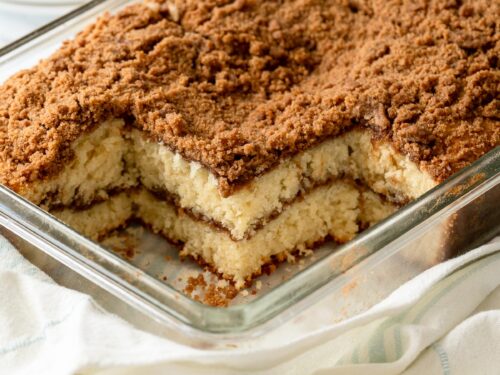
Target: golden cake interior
(329,191)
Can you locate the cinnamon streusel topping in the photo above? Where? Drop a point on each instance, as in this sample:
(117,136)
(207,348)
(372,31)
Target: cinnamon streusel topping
(237,85)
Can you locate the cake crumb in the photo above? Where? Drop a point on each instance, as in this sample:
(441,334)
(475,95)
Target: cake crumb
(193,283)
(219,297)
(304,252)
(269,269)
(290,258)
(258,285)
(212,294)
(222,283)
(124,242)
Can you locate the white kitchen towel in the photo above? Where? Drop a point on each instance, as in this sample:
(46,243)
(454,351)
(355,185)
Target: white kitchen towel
(445,321)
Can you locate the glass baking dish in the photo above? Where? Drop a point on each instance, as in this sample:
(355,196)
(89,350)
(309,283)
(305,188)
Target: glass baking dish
(147,289)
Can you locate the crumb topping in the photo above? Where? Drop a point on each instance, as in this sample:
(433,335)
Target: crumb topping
(239,84)
(210,293)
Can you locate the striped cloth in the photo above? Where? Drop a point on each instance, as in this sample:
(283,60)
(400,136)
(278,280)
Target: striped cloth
(445,321)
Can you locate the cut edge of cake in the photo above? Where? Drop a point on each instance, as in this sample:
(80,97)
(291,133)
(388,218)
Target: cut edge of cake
(114,158)
(118,173)
(335,211)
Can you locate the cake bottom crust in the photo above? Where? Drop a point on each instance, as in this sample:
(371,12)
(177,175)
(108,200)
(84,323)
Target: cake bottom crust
(337,210)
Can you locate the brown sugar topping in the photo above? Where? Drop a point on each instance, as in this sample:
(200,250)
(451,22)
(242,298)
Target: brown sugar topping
(210,293)
(237,85)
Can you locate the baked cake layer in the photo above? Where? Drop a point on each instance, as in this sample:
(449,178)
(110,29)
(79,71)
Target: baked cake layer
(113,158)
(100,218)
(302,200)
(354,155)
(328,211)
(333,211)
(238,86)
(97,168)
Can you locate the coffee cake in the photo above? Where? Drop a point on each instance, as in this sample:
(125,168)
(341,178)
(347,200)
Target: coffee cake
(247,130)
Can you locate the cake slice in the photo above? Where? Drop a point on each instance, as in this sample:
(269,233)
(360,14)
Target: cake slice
(354,156)
(248,131)
(119,174)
